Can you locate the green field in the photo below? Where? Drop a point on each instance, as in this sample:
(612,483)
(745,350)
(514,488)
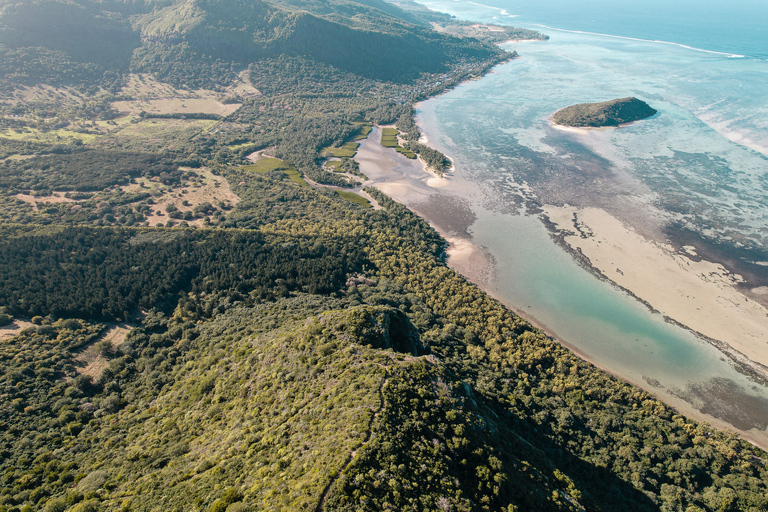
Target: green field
(274,164)
(348,150)
(389,142)
(50,136)
(334,165)
(389,137)
(235,147)
(405,152)
(354,198)
(365,130)
(295,177)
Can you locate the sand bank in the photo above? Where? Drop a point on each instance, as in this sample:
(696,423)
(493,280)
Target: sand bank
(697,294)
(405,181)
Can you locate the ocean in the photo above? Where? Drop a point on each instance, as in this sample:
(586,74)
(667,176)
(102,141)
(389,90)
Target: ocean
(695,175)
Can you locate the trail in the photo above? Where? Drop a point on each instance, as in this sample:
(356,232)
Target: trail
(351,457)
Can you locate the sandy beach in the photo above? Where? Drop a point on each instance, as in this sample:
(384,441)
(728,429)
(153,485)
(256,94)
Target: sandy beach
(699,295)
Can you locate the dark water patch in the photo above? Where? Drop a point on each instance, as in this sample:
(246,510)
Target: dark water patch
(726,400)
(653,382)
(451,214)
(704,165)
(573,175)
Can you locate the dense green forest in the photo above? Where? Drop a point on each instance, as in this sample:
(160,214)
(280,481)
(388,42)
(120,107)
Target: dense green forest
(293,350)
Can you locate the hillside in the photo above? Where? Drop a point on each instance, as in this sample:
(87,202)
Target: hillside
(204,42)
(606,113)
(191,320)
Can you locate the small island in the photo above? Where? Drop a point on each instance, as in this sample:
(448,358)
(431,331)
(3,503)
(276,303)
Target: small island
(606,113)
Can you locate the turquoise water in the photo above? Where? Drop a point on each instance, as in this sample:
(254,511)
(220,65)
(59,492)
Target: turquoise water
(699,166)
(736,26)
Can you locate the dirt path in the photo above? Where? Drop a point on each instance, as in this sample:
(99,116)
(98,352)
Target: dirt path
(353,453)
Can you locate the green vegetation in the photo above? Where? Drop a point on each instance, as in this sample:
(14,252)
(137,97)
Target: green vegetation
(348,150)
(365,130)
(606,113)
(267,164)
(389,137)
(297,351)
(73,169)
(433,158)
(264,165)
(389,132)
(295,177)
(335,165)
(354,198)
(107,273)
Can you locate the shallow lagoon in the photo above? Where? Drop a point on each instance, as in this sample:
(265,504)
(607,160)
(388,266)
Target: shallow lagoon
(699,162)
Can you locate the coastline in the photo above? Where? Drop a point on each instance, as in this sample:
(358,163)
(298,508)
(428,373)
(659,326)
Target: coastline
(477,265)
(410,183)
(417,188)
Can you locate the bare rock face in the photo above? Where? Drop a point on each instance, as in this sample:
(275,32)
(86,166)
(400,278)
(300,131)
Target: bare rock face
(382,327)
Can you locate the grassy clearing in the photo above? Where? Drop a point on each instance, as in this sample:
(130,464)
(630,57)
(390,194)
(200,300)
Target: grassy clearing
(365,130)
(295,177)
(389,140)
(118,121)
(268,164)
(354,198)
(334,165)
(348,150)
(156,97)
(264,165)
(389,137)
(155,134)
(61,136)
(85,131)
(236,147)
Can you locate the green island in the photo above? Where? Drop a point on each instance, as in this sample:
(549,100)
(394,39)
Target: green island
(195,315)
(606,113)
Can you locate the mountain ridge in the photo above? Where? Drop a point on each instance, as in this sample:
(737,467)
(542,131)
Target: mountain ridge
(283,346)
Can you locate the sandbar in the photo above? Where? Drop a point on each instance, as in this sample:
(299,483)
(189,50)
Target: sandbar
(700,295)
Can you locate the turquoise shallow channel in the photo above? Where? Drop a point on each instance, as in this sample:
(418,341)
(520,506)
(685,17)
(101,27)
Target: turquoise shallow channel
(700,163)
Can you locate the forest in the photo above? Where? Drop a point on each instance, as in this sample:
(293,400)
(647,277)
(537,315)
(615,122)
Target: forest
(285,349)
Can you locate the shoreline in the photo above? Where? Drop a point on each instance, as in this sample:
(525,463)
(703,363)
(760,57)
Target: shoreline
(741,362)
(477,265)
(408,182)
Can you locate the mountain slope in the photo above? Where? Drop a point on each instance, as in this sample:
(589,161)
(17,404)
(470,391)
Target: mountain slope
(187,39)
